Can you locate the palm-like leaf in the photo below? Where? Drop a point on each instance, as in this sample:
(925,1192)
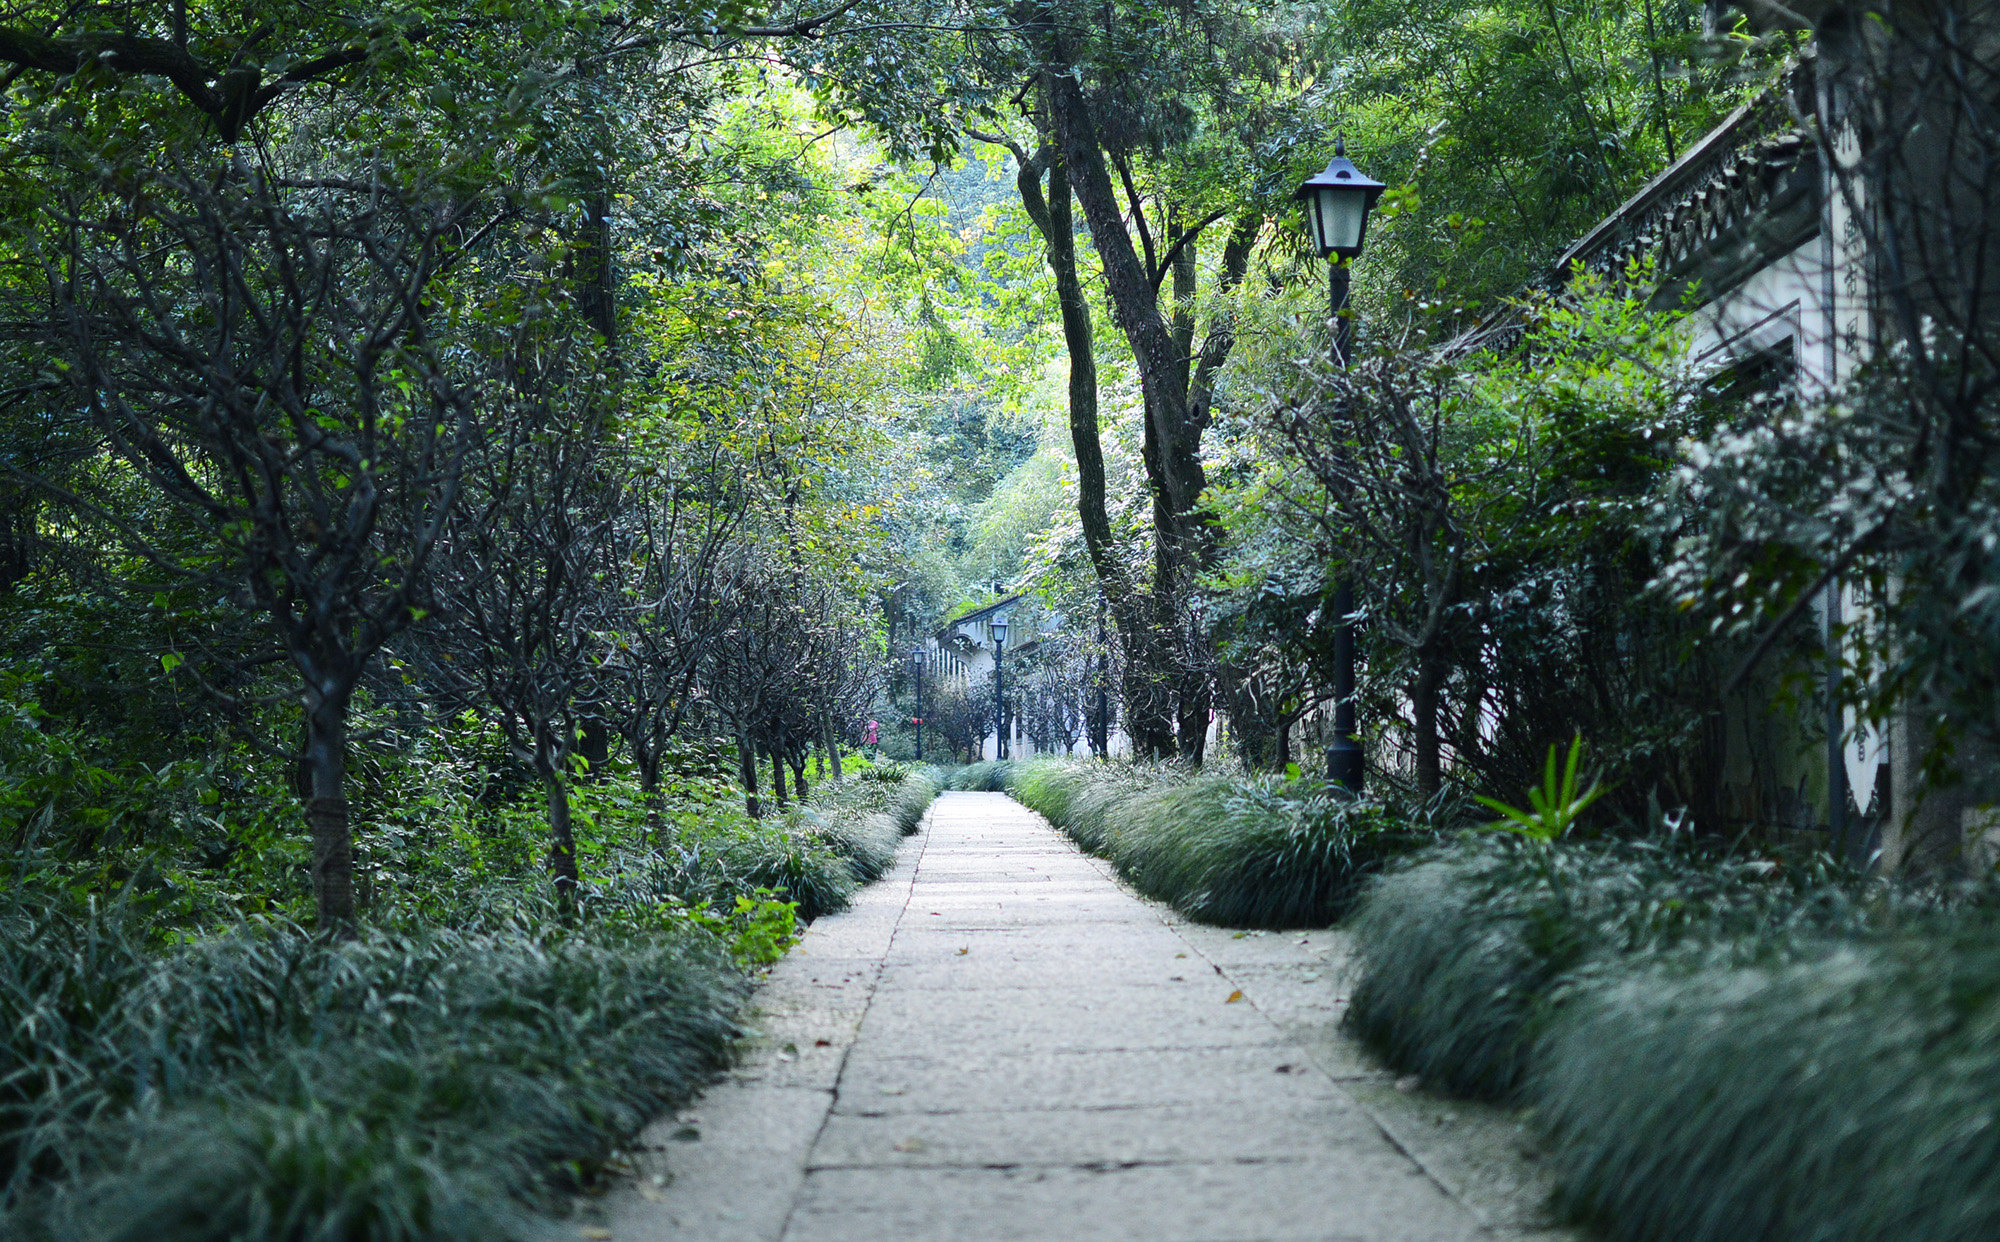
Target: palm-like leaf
(1555,807)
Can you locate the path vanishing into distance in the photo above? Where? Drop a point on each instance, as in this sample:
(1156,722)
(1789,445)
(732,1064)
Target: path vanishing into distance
(1001,1042)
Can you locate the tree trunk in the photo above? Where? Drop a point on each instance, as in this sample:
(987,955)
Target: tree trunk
(777,780)
(1195,699)
(593,740)
(832,744)
(799,774)
(562,841)
(1424,694)
(648,761)
(325,767)
(1148,706)
(596,281)
(746,766)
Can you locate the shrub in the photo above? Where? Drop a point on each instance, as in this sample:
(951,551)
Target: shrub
(867,840)
(986,776)
(437,1077)
(914,797)
(1461,954)
(1239,851)
(1845,1093)
(267,1084)
(865,821)
(741,855)
(1080,798)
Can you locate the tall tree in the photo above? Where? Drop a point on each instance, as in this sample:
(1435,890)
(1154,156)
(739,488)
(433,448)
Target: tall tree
(266,353)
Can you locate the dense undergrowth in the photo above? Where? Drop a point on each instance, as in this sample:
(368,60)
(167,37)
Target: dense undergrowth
(1716,1047)
(474,1052)
(1257,851)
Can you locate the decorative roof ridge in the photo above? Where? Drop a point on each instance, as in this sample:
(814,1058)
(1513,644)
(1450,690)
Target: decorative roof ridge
(977,613)
(1727,175)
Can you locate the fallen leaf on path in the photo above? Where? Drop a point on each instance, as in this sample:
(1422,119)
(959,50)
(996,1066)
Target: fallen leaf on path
(822,1043)
(597,1234)
(963,952)
(910,1144)
(1233,998)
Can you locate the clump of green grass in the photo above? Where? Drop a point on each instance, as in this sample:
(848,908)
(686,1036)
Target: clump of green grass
(459,1064)
(867,840)
(815,855)
(1254,852)
(266,1084)
(1846,1092)
(1081,798)
(1238,851)
(1462,954)
(986,776)
(782,857)
(914,795)
(865,821)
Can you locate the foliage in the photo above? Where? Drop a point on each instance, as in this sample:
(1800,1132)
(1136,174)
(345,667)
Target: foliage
(1493,515)
(1554,807)
(1845,1093)
(265,1083)
(1465,955)
(1241,852)
(1506,131)
(986,776)
(913,797)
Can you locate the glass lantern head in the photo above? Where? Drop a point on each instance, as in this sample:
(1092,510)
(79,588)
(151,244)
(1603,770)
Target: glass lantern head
(1338,200)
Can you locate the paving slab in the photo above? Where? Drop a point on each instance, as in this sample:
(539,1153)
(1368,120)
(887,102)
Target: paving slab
(1001,1042)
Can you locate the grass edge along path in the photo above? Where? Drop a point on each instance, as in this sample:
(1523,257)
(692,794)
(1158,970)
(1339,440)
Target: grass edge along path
(1257,851)
(427,1082)
(1714,1048)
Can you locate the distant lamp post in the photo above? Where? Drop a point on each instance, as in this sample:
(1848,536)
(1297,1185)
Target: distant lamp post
(1338,200)
(998,626)
(917,668)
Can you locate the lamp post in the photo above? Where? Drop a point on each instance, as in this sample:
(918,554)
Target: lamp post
(998,626)
(917,669)
(1338,200)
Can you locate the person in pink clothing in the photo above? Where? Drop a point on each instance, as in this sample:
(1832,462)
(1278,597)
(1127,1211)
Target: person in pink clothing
(873,734)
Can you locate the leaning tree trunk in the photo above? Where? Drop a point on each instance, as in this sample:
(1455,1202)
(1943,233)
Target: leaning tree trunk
(1148,701)
(832,744)
(562,838)
(648,761)
(746,766)
(1425,691)
(324,763)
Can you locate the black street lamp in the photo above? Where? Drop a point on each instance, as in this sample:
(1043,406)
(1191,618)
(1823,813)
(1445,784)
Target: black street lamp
(917,668)
(1338,200)
(998,626)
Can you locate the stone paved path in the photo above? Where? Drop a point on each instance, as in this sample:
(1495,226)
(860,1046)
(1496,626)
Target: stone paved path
(1001,1042)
